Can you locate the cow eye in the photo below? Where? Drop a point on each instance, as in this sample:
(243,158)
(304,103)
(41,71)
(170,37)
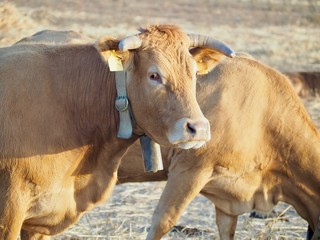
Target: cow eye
(155,77)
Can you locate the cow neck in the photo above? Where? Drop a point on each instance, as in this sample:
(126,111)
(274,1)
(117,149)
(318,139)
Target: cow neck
(86,88)
(150,150)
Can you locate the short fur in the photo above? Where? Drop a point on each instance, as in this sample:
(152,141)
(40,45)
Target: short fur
(305,83)
(59,151)
(264,149)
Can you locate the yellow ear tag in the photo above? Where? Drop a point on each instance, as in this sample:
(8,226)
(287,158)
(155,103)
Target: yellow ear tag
(114,63)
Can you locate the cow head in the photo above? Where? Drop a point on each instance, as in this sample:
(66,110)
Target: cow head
(161,81)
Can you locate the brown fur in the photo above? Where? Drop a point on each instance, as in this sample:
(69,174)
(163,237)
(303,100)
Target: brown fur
(264,149)
(59,150)
(305,83)
(179,41)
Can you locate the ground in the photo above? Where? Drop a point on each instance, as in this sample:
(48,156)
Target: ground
(281,33)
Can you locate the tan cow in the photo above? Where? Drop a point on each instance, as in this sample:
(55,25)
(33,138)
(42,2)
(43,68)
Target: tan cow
(59,147)
(264,149)
(305,83)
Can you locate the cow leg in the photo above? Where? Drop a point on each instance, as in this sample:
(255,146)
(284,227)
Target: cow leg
(309,233)
(9,231)
(316,234)
(11,218)
(180,190)
(226,224)
(12,208)
(25,235)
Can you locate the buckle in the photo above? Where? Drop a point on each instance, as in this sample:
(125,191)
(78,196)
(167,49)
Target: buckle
(122,103)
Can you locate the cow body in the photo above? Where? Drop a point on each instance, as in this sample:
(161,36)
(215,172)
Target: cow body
(59,150)
(264,149)
(45,176)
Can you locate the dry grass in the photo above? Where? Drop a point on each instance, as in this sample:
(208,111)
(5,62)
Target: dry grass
(282,33)
(128,213)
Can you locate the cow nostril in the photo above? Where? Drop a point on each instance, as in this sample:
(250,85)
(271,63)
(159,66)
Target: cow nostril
(191,129)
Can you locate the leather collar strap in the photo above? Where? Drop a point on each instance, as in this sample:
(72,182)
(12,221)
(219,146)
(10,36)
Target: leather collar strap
(122,105)
(150,149)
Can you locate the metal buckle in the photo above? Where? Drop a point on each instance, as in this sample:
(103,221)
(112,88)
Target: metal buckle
(122,103)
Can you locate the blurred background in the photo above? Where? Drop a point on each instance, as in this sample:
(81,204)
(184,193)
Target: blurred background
(281,33)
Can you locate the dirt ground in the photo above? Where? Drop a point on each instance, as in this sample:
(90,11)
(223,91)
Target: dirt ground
(282,33)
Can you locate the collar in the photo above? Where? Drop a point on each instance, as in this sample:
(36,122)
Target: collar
(150,150)
(122,105)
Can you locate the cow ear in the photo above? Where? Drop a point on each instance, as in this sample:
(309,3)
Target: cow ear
(206,59)
(105,45)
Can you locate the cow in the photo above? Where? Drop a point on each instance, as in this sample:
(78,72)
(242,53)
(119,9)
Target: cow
(264,149)
(62,137)
(305,83)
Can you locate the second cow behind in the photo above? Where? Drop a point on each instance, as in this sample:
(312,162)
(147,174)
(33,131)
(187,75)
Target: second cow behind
(264,149)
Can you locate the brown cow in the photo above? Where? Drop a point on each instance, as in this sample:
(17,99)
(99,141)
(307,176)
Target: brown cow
(305,83)
(264,149)
(59,146)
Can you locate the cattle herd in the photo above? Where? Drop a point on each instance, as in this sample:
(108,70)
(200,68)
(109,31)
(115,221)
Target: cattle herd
(229,126)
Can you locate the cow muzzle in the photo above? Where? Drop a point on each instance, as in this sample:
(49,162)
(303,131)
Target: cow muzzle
(187,133)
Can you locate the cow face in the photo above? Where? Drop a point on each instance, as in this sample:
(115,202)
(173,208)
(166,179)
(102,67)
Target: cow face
(161,80)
